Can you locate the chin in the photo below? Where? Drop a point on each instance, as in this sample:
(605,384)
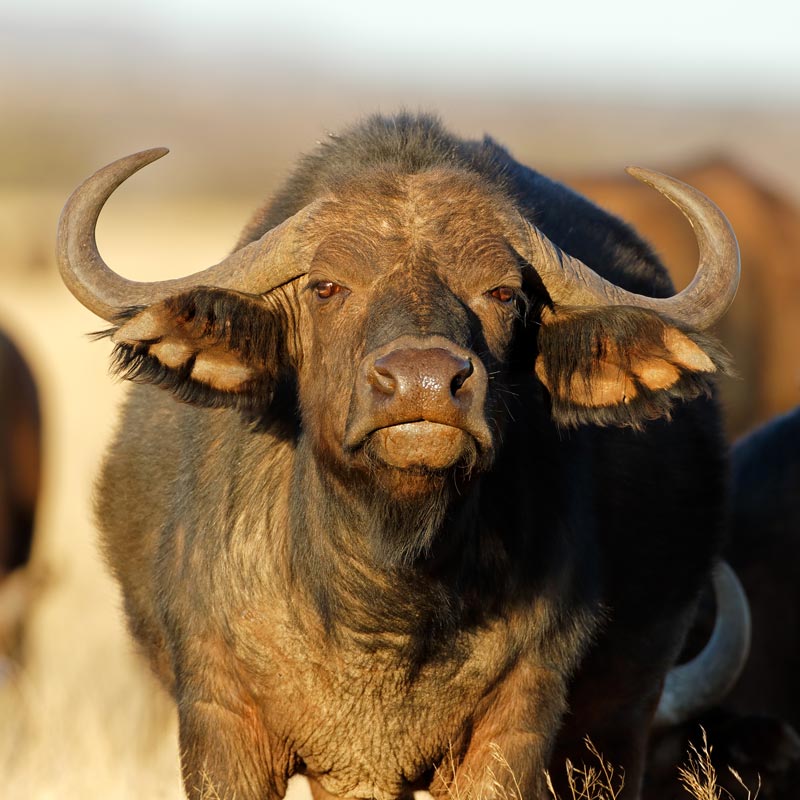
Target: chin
(417,459)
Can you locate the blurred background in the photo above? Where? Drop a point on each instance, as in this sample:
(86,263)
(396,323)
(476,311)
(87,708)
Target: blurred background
(238,90)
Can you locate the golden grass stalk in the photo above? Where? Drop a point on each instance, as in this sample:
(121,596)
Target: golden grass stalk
(587,782)
(699,776)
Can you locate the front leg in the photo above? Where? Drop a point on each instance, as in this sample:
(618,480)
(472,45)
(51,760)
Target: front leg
(509,750)
(227,754)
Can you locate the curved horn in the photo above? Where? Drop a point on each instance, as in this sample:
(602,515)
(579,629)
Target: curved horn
(700,305)
(258,267)
(700,683)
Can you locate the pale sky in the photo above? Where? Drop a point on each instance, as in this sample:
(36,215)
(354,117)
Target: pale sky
(747,48)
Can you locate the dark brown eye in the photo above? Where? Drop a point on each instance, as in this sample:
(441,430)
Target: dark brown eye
(505,294)
(326,289)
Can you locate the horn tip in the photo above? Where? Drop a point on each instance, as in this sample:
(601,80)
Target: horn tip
(155,153)
(642,174)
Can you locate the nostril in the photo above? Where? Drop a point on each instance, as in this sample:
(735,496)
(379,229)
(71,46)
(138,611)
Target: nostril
(382,379)
(461,376)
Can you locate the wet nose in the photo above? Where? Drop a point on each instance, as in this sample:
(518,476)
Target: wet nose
(424,374)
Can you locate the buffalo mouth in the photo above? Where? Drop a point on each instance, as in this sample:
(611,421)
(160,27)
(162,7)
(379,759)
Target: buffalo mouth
(421,446)
(419,406)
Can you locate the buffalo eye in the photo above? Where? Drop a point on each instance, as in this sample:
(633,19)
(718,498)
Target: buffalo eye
(503,294)
(326,289)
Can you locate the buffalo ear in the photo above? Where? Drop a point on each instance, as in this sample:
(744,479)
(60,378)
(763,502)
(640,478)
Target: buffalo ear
(210,347)
(622,365)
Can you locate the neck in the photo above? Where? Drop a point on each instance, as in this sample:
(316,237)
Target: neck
(374,564)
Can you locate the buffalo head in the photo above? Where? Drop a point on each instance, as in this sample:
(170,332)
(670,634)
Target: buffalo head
(405,308)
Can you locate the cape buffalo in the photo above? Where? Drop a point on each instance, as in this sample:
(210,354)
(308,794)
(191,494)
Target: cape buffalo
(436,477)
(764,549)
(20,442)
(754,728)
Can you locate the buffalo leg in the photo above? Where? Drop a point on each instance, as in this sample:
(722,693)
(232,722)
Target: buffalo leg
(512,765)
(510,746)
(225,754)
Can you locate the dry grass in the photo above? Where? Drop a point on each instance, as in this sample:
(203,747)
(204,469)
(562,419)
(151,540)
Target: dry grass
(597,780)
(591,782)
(699,776)
(499,782)
(209,792)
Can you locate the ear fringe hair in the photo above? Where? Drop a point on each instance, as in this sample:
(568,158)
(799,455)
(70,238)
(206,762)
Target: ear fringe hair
(573,345)
(134,363)
(238,321)
(646,406)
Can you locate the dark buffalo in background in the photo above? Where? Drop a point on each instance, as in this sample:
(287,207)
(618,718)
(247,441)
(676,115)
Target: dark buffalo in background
(762,328)
(402,480)
(20,465)
(755,728)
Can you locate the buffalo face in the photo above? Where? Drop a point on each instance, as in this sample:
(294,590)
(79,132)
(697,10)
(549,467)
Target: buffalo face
(411,310)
